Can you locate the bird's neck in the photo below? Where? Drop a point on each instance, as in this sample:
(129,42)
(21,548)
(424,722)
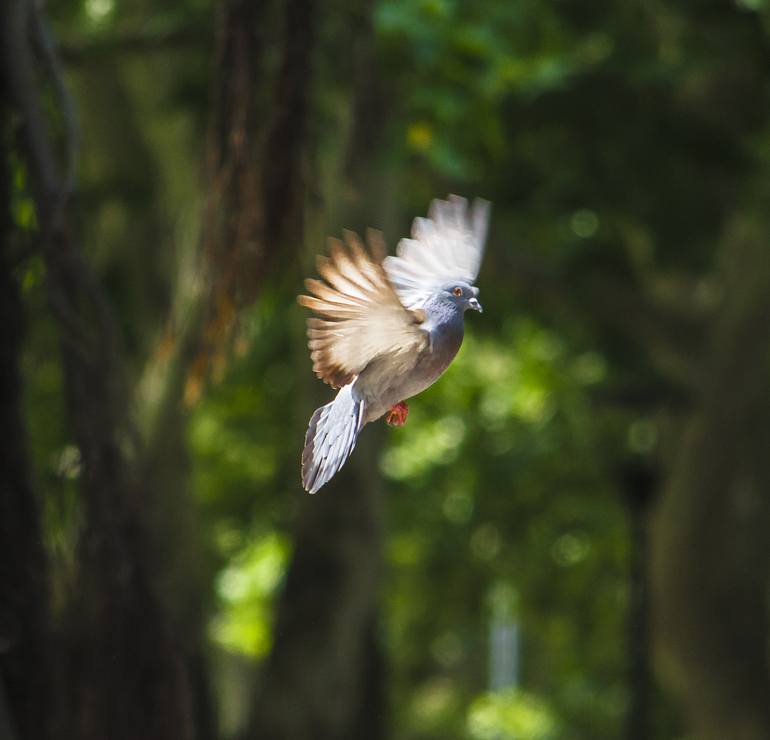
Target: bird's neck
(444,322)
(439,312)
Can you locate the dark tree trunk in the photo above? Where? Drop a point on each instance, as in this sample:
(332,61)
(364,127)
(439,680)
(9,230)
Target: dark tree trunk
(25,656)
(123,675)
(130,674)
(323,679)
(639,482)
(372,106)
(256,154)
(233,243)
(712,549)
(283,179)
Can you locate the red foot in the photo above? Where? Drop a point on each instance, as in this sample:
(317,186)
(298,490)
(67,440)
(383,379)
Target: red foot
(397,415)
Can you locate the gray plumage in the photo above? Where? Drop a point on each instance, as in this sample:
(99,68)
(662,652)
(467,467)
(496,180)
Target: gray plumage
(387,327)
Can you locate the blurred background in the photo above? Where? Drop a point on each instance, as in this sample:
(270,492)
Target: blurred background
(569,537)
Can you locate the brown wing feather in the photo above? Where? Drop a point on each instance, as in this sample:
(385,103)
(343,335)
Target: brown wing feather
(360,314)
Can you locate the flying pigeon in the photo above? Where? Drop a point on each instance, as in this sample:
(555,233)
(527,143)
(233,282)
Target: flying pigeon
(387,327)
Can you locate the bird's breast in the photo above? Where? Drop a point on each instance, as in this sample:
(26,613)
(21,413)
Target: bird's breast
(382,388)
(432,363)
(445,341)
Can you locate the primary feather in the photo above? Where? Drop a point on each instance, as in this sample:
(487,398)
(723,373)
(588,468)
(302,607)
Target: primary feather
(361,315)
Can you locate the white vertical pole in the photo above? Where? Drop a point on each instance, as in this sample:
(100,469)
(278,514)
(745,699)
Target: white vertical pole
(503,654)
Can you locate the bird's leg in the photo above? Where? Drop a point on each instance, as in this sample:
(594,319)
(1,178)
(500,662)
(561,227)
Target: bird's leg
(397,415)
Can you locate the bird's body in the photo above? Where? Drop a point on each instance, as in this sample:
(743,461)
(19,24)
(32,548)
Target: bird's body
(381,389)
(388,328)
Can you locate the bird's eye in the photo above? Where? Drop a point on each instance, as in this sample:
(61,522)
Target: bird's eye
(458,291)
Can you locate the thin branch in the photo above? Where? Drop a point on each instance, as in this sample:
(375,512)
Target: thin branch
(51,190)
(47,50)
(22,87)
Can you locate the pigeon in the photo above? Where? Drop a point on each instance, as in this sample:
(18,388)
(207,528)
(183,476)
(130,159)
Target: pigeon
(387,327)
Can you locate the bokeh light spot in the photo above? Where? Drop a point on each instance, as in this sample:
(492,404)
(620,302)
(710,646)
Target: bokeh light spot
(584,223)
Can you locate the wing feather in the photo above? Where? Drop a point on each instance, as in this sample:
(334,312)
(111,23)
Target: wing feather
(360,316)
(445,247)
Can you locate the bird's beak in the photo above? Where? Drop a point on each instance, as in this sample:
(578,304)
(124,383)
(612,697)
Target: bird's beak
(475,305)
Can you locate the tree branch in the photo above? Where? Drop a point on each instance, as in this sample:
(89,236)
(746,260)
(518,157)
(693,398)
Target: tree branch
(47,50)
(22,87)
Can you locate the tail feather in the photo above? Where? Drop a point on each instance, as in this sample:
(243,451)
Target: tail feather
(331,437)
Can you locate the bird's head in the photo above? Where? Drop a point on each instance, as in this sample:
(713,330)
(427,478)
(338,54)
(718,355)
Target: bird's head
(463,295)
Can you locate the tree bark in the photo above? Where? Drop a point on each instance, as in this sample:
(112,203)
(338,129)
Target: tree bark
(25,656)
(129,672)
(123,672)
(255,168)
(639,482)
(711,547)
(233,242)
(323,679)
(284,186)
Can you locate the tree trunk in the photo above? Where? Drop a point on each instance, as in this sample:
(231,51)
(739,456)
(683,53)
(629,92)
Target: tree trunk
(712,548)
(25,656)
(639,482)
(124,676)
(283,182)
(129,678)
(323,679)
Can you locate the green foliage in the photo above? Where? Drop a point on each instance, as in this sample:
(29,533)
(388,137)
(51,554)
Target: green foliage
(510,716)
(245,588)
(531,515)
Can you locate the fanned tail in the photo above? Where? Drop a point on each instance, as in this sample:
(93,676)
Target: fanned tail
(331,437)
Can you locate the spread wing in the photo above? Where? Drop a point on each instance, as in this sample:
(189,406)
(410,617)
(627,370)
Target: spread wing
(445,247)
(360,315)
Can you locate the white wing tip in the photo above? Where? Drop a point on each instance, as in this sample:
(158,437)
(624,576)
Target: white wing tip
(454,211)
(447,245)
